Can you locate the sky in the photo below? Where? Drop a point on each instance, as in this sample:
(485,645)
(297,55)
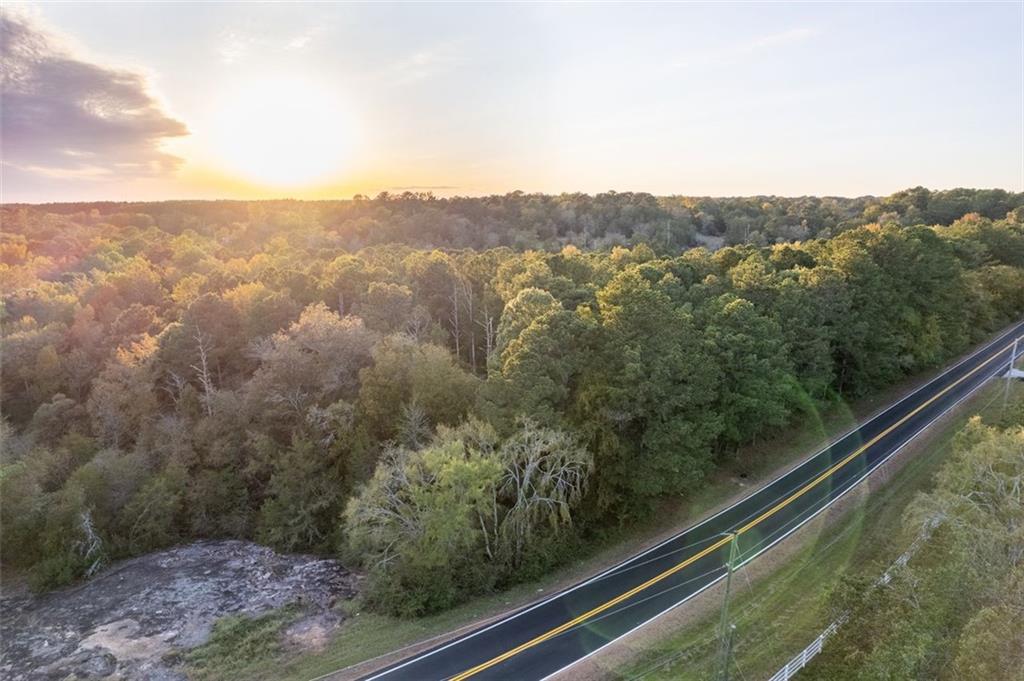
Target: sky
(147,101)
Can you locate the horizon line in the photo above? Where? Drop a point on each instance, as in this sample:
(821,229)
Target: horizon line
(359,196)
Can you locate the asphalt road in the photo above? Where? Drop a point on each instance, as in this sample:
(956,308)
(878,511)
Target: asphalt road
(546,637)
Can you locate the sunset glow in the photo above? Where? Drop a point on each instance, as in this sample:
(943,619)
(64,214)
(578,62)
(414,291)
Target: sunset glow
(326,100)
(286,131)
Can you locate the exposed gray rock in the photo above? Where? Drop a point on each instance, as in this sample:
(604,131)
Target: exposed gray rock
(92,664)
(130,621)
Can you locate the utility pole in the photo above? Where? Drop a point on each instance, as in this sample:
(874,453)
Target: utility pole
(727,628)
(1009,373)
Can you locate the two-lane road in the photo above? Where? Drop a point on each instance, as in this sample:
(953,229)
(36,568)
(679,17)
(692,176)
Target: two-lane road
(548,636)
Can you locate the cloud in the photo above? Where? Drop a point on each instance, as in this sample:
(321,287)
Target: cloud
(234,47)
(303,40)
(237,46)
(423,64)
(66,117)
(738,52)
(795,35)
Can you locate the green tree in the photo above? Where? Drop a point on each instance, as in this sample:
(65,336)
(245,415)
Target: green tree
(416,525)
(154,517)
(540,354)
(756,390)
(545,475)
(315,361)
(122,400)
(647,404)
(303,496)
(388,307)
(405,372)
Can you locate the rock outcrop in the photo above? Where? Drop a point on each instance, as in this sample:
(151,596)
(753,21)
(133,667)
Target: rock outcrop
(133,620)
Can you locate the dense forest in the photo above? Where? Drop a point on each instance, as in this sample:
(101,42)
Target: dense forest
(452,393)
(547,222)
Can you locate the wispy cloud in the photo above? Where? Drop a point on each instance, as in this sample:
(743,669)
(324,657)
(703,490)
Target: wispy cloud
(66,117)
(233,47)
(85,172)
(236,46)
(795,35)
(423,63)
(738,52)
(304,39)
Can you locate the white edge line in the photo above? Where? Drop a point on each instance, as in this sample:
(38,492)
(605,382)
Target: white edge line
(783,537)
(988,346)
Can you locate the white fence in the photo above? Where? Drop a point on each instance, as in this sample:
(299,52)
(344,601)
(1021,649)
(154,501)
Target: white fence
(807,654)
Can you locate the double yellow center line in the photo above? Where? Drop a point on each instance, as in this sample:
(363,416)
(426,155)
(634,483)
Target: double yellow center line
(722,541)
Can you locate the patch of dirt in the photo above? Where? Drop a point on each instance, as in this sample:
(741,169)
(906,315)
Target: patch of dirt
(133,620)
(312,633)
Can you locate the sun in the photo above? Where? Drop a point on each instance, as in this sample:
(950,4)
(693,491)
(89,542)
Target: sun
(283,131)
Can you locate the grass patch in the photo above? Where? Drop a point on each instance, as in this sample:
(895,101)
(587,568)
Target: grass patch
(240,647)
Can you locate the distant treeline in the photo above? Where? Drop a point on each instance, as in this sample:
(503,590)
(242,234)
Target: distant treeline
(549,222)
(308,375)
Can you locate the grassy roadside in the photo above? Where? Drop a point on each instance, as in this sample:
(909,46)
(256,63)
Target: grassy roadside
(365,636)
(778,615)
